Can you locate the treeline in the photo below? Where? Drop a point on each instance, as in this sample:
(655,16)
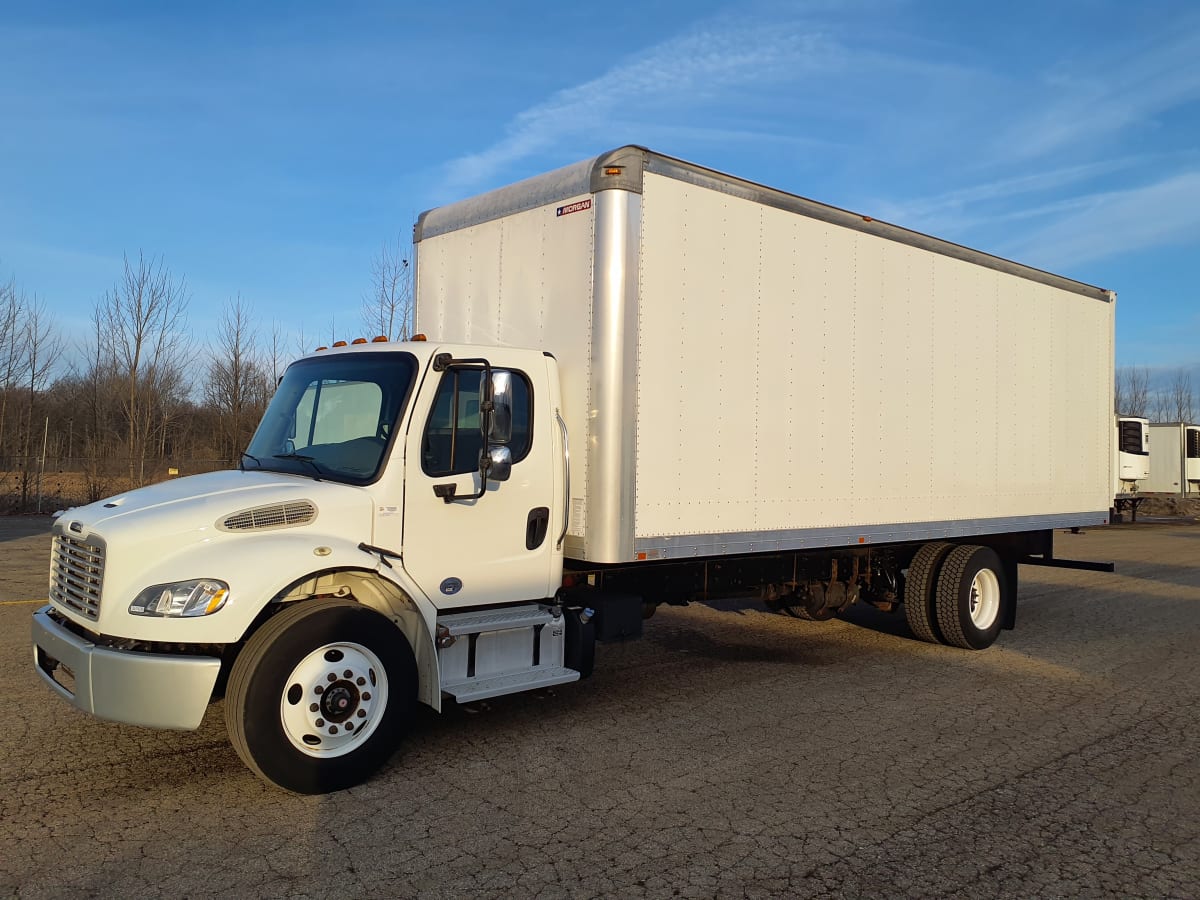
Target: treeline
(141,398)
(1166,396)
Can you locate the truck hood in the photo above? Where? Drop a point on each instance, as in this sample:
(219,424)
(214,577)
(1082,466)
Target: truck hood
(205,500)
(253,530)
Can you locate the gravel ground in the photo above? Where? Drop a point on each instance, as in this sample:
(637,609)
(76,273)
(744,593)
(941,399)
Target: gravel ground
(729,753)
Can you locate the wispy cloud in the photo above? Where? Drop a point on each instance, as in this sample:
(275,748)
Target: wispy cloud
(679,75)
(1116,223)
(1099,97)
(952,203)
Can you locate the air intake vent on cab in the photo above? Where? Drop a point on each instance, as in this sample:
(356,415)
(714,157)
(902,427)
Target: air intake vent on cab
(276,515)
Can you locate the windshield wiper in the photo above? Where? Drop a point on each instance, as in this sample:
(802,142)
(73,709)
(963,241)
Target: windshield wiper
(247,456)
(302,458)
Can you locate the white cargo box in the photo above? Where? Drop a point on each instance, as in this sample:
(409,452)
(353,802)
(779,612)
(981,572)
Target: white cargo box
(1174,459)
(746,370)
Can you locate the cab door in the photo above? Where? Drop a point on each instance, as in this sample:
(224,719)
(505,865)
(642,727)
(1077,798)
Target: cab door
(502,546)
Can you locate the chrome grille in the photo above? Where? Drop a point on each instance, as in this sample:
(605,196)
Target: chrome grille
(77,574)
(278,515)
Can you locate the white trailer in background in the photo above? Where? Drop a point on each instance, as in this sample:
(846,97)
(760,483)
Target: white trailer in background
(644,382)
(1131,463)
(1174,459)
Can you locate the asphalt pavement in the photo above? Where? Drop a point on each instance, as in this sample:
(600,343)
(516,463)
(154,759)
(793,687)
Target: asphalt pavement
(732,752)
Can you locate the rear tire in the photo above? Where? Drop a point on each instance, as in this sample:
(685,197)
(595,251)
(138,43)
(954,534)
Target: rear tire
(919,591)
(972,596)
(320,696)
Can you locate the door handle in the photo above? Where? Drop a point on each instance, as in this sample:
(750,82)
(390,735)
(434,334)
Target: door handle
(536,527)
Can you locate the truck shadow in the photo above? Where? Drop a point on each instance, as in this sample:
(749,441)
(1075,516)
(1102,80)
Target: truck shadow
(698,644)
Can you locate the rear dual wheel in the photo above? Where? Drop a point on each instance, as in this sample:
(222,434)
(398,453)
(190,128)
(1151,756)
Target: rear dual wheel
(972,589)
(920,586)
(956,595)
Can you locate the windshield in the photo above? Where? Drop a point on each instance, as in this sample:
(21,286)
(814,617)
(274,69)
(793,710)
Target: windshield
(332,417)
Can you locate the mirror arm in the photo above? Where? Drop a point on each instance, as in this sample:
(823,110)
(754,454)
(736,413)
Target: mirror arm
(447,492)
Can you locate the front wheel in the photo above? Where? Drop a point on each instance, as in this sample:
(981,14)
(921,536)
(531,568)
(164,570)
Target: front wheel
(972,593)
(320,695)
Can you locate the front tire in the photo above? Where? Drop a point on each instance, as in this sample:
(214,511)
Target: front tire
(320,696)
(972,596)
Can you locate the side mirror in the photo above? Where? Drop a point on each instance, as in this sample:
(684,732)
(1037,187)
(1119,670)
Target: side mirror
(500,430)
(496,464)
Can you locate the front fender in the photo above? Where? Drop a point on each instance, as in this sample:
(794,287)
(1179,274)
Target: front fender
(257,567)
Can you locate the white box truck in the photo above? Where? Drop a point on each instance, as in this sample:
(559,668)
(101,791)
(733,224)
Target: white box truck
(1174,459)
(643,382)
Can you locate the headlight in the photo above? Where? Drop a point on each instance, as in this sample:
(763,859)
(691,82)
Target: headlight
(198,597)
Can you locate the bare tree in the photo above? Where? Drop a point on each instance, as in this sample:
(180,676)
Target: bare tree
(12,302)
(302,345)
(236,385)
(387,310)
(41,348)
(144,316)
(275,361)
(1178,399)
(1132,395)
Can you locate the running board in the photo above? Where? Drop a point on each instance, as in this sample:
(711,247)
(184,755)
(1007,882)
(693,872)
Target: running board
(482,689)
(502,651)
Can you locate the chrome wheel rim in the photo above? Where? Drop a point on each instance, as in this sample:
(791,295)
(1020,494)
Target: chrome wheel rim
(334,700)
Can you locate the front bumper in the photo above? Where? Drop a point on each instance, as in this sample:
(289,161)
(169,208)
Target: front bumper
(156,690)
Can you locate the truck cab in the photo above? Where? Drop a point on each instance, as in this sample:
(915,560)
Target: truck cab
(392,483)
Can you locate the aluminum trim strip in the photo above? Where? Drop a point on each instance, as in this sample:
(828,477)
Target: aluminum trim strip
(586,177)
(561,184)
(691,173)
(687,546)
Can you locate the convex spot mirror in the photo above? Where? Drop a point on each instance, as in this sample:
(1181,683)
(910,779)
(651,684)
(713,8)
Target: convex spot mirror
(500,426)
(496,464)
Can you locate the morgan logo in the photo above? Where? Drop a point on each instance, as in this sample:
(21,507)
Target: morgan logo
(580,206)
(450,586)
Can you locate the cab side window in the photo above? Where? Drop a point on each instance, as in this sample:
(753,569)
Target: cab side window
(453,441)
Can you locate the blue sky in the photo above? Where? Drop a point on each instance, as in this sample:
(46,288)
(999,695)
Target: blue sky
(268,150)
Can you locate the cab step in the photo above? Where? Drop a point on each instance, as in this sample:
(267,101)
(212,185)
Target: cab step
(495,619)
(501,651)
(482,689)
